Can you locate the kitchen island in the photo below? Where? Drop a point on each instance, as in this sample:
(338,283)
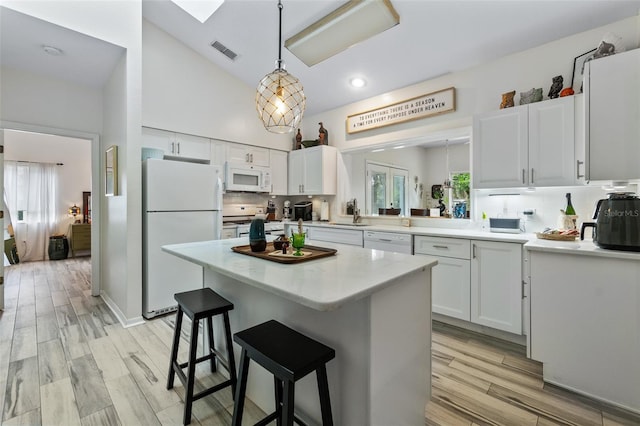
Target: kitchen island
(372,307)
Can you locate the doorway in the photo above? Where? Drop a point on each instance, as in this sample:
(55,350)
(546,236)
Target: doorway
(92,163)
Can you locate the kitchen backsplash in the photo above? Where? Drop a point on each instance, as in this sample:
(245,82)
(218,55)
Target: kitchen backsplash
(545,202)
(262,200)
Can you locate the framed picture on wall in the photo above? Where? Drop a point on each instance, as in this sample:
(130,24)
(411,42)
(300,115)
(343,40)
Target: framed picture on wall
(578,70)
(111,171)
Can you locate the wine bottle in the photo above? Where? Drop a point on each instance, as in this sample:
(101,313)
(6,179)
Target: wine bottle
(569,211)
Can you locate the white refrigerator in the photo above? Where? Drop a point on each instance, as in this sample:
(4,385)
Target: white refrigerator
(182,202)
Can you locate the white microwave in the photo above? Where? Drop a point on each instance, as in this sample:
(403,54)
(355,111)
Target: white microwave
(247,178)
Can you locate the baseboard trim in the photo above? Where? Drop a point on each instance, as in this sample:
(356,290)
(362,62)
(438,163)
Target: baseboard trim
(124,321)
(481,329)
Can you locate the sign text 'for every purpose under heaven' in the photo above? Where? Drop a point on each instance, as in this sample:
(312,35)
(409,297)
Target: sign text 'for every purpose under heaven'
(419,107)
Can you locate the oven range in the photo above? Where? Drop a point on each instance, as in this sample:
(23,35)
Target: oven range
(237,218)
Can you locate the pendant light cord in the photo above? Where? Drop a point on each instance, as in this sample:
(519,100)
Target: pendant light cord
(280,35)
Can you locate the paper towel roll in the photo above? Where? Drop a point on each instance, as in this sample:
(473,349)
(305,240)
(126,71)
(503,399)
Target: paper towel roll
(324,210)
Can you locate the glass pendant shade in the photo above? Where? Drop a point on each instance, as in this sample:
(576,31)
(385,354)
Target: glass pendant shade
(280,101)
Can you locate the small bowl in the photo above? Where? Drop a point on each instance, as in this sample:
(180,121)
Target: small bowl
(277,243)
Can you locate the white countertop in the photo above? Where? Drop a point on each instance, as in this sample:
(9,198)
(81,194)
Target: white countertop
(474,234)
(323,284)
(530,241)
(579,248)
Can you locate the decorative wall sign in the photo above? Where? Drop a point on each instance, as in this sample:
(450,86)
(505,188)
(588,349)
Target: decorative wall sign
(413,109)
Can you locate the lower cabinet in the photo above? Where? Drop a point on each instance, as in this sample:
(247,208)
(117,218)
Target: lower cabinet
(336,235)
(496,285)
(476,281)
(451,278)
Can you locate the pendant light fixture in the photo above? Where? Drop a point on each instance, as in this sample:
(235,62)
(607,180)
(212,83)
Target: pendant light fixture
(280,99)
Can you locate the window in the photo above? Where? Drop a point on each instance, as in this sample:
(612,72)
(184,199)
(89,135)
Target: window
(387,187)
(458,194)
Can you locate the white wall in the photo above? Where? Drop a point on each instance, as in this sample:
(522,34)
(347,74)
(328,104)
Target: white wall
(184,92)
(74,176)
(478,89)
(38,99)
(119,23)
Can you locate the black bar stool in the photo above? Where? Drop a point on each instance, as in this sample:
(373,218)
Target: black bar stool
(200,304)
(289,356)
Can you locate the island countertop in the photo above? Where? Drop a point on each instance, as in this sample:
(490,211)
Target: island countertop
(322,284)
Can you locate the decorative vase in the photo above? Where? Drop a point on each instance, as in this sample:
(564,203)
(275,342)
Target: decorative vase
(257,237)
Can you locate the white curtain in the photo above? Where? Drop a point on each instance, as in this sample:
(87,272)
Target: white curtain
(31,199)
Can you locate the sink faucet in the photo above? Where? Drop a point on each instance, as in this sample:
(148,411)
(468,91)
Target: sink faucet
(356,212)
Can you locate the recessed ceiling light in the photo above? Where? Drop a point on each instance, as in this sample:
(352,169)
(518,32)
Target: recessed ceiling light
(378,150)
(398,147)
(53,51)
(358,82)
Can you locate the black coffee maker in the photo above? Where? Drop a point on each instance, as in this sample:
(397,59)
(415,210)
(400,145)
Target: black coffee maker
(302,210)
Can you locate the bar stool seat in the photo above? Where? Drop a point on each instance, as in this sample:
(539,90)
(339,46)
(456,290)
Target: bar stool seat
(197,305)
(289,356)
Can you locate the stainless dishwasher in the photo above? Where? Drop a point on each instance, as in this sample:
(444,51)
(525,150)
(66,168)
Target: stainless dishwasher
(389,241)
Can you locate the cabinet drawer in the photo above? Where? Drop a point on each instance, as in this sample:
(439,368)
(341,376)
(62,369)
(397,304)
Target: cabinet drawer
(441,246)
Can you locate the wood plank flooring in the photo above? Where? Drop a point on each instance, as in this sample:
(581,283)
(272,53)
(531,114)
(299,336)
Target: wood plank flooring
(64,359)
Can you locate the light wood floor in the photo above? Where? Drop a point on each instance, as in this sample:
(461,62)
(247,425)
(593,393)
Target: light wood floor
(64,359)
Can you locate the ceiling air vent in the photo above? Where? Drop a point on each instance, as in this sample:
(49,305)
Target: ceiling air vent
(224,50)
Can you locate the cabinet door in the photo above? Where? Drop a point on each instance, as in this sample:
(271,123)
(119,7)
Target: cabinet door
(259,156)
(500,148)
(496,285)
(159,139)
(296,169)
(278,162)
(339,236)
(580,150)
(189,146)
(237,153)
(551,142)
(450,288)
(218,152)
(612,107)
(313,171)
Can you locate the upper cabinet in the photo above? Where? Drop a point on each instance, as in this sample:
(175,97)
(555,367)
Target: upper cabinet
(239,153)
(312,171)
(279,175)
(527,145)
(612,108)
(177,145)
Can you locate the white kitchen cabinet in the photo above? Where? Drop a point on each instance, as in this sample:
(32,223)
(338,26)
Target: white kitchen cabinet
(240,153)
(580,148)
(612,108)
(552,142)
(228,233)
(500,148)
(451,277)
(496,285)
(218,152)
(312,171)
(585,317)
(177,145)
(336,235)
(279,172)
(523,146)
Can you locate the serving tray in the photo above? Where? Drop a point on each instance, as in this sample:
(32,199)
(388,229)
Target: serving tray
(556,237)
(309,253)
